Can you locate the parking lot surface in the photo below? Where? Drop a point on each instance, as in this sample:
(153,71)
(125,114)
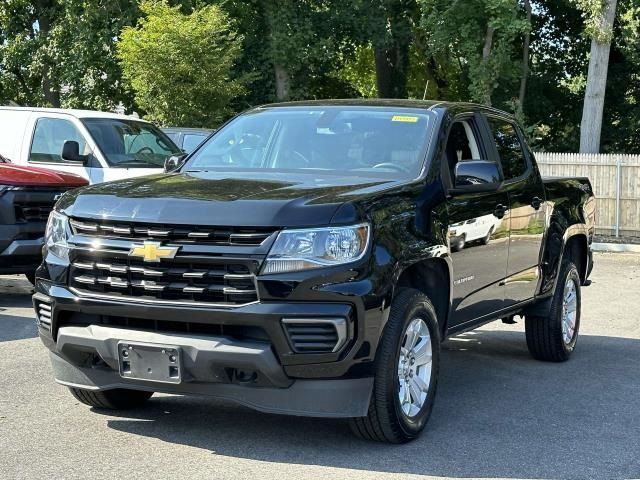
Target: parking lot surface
(498,414)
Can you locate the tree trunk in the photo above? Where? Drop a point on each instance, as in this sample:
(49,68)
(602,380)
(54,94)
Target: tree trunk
(486,52)
(525,59)
(591,125)
(283,83)
(46,10)
(384,73)
(391,71)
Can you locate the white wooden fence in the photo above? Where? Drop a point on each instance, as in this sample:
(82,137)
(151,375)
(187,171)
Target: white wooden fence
(616,184)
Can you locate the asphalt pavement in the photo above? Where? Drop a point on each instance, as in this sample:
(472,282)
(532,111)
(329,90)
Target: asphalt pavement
(498,414)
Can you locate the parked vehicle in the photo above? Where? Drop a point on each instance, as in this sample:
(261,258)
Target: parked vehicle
(98,146)
(299,263)
(187,139)
(480,228)
(27,195)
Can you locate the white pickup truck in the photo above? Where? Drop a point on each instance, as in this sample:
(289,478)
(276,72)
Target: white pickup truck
(98,146)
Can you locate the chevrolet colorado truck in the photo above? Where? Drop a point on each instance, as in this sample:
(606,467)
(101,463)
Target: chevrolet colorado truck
(299,262)
(27,196)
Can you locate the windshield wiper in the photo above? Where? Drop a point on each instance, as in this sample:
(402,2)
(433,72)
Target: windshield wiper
(134,163)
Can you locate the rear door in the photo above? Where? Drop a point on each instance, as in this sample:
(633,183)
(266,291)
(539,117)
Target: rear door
(527,210)
(478,236)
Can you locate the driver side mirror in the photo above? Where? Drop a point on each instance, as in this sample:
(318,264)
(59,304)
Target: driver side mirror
(174,162)
(476,176)
(71,152)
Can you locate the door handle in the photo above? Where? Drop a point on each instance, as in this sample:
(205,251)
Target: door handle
(536,202)
(500,210)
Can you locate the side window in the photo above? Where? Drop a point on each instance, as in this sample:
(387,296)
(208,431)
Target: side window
(48,138)
(191,141)
(514,162)
(173,136)
(461,145)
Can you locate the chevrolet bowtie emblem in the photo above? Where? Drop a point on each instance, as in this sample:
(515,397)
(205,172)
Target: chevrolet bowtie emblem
(152,251)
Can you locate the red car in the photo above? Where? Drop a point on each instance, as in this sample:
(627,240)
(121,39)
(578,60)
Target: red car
(27,195)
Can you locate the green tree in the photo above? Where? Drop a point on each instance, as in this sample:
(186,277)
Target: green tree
(179,65)
(83,49)
(61,53)
(26,71)
(484,38)
(390,26)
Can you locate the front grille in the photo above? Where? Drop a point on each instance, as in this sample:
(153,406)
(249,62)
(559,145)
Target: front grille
(34,204)
(226,281)
(33,211)
(174,233)
(43,315)
(316,335)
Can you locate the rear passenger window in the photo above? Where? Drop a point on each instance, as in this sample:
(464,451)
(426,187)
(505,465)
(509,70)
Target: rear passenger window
(48,138)
(514,163)
(191,141)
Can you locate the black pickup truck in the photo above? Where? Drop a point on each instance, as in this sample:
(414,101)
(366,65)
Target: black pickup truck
(300,261)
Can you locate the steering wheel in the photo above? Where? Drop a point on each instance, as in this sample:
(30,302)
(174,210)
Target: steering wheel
(239,152)
(144,150)
(392,166)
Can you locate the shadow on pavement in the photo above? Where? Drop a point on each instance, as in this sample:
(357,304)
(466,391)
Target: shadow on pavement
(14,327)
(15,293)
(498,414)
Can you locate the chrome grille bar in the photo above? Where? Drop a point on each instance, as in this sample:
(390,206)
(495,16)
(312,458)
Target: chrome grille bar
(241,236)
(224,281)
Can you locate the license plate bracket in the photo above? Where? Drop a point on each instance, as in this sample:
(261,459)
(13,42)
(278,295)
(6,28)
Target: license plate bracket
(151,362)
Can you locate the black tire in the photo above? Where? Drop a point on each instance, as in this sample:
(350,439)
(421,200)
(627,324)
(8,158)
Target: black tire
(459,243)
(31,276)
(385,420)
(486,239)
(117,399)
(544,334)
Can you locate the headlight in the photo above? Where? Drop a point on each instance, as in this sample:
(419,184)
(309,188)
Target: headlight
(296,250)
(57,234)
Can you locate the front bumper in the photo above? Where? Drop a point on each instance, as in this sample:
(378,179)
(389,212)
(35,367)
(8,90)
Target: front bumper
(205,361)
(336,384)
(20,248)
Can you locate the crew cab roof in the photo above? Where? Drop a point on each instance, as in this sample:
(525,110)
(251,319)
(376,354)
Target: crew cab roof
(452,107)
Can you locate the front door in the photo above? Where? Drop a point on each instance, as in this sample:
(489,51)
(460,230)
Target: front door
(45,149)
(478,234)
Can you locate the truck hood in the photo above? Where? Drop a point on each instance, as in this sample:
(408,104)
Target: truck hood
(222,198)
(18,175)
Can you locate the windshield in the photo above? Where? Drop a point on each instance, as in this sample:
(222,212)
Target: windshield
(128,143)
(380,140)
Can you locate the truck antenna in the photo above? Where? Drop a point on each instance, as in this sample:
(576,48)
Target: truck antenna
(424,97)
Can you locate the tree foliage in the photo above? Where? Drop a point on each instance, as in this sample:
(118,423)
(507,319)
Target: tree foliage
(179,65)
(190,69)
(62,52)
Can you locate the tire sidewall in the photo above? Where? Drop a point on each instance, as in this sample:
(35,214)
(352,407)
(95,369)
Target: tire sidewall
(420,307)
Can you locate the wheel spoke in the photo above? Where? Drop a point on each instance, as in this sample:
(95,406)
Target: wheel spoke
(412,337)
(407,396)
(415,393)
(422,353)
(418,383)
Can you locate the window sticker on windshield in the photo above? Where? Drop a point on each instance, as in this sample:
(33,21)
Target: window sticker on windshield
(404,118)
